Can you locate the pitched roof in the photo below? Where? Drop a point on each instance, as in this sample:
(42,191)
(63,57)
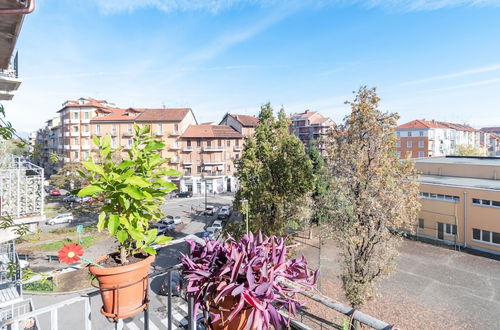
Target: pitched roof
(303,115)
(168,114)
(415,124)
(117,115)
(246,120)
(211,131)
(315,118)
(459,127)
(87,102)
(490,129)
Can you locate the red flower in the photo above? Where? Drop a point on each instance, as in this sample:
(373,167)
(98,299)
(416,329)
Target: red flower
(70,253)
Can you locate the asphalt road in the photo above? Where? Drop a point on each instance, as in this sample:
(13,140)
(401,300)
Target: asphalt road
(71,317)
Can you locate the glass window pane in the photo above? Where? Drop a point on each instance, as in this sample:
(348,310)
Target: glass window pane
(454,229)
(440,196)
(426,194)
(475,201)
(421,223)
(496,238)
(495,203)
(433,195)
(485,202)
(476,234)
(486,236)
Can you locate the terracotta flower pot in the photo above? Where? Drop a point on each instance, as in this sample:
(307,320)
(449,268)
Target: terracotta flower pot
(224,309)
(124,289)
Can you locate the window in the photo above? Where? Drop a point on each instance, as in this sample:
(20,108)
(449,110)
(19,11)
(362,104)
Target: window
(113,142)
(159,129)
(75,154)
(495,203)
(209,143)
(188,143)
(75,129)
(198,169)
(409,144)
(86,128)
(86,115)
(447,198)
(398,144)
(420,144)
(75,141)
(129,128)
(86,153)
(485,202)
(476,201)
(237,156)
(450,229)
(219,143)
(421,133)
(129,142)
(237,143)
(398,134)
(75,115)
(86,141)
(409,134)
(176,128)
(228,143)
(398,154)
(198,143)
(228,168)
(421,224)
(486,236)
(421,154)
(98,128)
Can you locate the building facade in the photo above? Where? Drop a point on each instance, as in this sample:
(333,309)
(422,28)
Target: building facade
(460,199)
(310,126)
(244,124)
(208,157)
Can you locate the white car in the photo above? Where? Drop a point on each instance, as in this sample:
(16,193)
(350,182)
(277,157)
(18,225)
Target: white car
(217,225)
(61,218)
(173,219)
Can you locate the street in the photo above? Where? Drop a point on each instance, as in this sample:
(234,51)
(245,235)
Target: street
(190,209)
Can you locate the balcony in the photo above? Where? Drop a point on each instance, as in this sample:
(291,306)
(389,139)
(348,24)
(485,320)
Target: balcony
(114,133)
(213,175)
(128,133)
(213,149)
(174,133)
(187,149)
(8,82)
(187,175)
(98,133)
(85,133)
(85,146)
(75,134)
(74,121)
(86,121)
(174,160)
(187,162)
(66,121)
(175,147)
(66,134)
(74,147)
(213,162)
(238,148)
(159,133)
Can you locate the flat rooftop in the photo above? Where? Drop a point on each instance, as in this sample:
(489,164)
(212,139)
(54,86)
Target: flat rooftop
(488,161)
(460,182)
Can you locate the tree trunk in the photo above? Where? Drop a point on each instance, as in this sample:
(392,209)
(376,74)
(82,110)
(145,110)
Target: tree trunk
(123,255)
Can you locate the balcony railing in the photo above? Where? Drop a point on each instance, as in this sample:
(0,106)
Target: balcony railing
(238,148)
(174,133)
(213,162)
(175,147)
(114,132)
(187,149)
(128,133)
(174,160)
(75,134)
(213,149)
(187,162)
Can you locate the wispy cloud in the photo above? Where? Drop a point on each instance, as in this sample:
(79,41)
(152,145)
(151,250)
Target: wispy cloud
(490,68)
(111,6)
(472,84)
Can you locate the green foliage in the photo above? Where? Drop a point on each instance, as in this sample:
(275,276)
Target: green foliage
(68,177)
(16,147)
(275,176)
(371,192)
(468,150)
(45,285)
(6,129)
(133,190)
(321,184)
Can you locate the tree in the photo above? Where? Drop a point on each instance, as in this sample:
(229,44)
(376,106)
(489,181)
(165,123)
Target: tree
(371,192)
(68,177)
(321,185)
(16,147)
(275,176)
(468,150)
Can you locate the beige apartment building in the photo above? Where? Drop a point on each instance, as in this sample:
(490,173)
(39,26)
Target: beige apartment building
(166,125)
(244,124)
(208,156)
(460,198)
(310,126)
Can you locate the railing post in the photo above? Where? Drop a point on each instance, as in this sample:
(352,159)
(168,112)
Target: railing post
(53,319)
(88,314)
(146,318)
(119,324)
(191,316)
(169,299)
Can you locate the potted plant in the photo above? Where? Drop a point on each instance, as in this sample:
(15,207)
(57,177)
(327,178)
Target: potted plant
(131,191)
(237,282)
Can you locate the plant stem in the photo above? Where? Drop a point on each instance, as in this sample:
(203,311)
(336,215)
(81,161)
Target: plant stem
(123,255)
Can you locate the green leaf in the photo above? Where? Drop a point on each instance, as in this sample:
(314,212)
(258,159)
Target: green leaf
(102,221)
(106,141)
(144,129)
(171,172)
(89,190)
(133,192)
(92,167)
(96,140)
(137,181)
(137,235)
(113,223)
(154,145)
(124,164)
(124,202)
(151,235)
(121,236)
(163,239)
(127,174)
(149,250)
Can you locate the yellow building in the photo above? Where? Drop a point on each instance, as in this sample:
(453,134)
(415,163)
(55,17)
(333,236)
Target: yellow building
(460,198)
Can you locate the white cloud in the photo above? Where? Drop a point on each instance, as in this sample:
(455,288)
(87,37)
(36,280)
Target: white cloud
(110,6)
(472,84)
(490,68)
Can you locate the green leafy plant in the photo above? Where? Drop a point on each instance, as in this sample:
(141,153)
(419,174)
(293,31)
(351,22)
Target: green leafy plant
(132,191)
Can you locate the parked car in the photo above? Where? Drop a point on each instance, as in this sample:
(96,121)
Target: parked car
(217,225)
(89,200)
(184,194)
(209,210)
(72,199)
(61,218)
(162,228)
(168,220)
(173,219)
(48,188)
(178,285)
(224,213)
(54,192)
(210,233)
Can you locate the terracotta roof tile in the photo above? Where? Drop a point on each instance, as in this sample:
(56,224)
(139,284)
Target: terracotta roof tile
(421,124)
(211,131)
(490,129)
(246,120)
(172,114)
(459,127)
(117,115)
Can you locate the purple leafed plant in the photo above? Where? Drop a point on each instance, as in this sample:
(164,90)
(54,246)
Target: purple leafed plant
(246,272)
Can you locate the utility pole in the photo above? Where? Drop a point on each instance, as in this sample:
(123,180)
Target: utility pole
(206,215)
(245,202)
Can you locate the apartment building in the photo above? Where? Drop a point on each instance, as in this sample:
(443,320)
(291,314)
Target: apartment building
(49,140)
(208,155)
(460,198)
(166,124)
(309,126)
(429,138)
(244,124)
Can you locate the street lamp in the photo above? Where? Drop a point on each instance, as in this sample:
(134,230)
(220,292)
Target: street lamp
(245,203)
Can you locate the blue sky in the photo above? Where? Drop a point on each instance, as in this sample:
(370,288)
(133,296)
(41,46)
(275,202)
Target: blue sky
(435,59)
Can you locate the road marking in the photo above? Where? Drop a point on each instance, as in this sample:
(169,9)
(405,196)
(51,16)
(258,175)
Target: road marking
(132,326)
(152,326)
(184,308)
(178,317)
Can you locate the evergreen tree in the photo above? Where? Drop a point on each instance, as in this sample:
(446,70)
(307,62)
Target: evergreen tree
(371,192)
(275,176)
(321,184)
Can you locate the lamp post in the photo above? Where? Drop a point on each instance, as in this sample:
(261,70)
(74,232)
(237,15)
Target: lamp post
(245,203)
(206,215)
